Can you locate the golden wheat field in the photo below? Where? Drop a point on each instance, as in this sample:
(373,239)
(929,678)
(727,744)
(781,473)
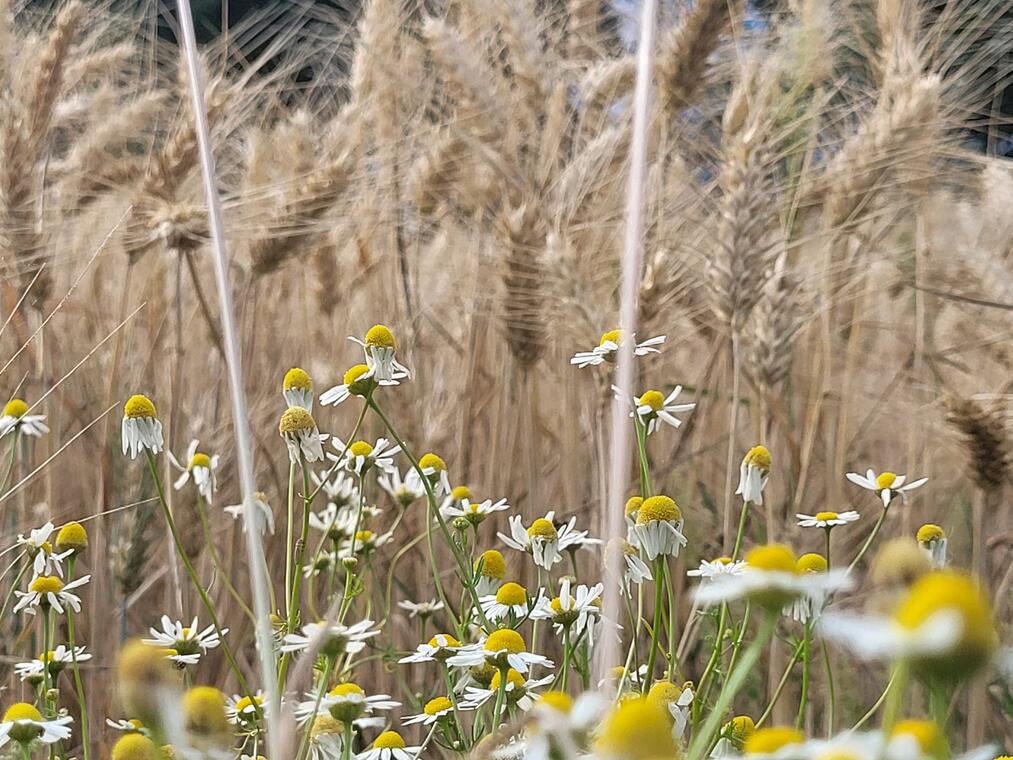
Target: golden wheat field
(472,378)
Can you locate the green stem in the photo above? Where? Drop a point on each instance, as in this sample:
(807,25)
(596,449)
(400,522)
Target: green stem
(742,530)
(879,703)
(868,541)
(673,643)
(831,691)
(321,690)
(895,698)
(500,698)
(289,536)
(780,686)
(659,569)
(804,695)
(216,560)
(646,489)
(78,684)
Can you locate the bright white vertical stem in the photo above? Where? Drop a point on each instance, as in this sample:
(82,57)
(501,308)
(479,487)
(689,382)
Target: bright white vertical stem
(633,254)
(244,451)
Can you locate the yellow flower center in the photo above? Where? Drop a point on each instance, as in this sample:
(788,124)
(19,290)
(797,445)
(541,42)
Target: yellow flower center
(297,378)
(758,457)
(632,505)
(557,700)
(363,536)
(353,373)
(441,640)
(738,729)
(658,508)
(246,703)
(134,746)
(925,732)
(664,692)
(513,677)
(544,529)
(47,548)
(768,740)
(15,408)
(437,706)
(723,560)
(47,584)
(557,605)
(295,420)
(360,449)
(930,532)
(389,740)
(204,711)
(505,639)
(72,536)
(432,462)
(22,711)
(346,690)
(773,558)
(200,460)
(653,399)
(138,406)
(460,492)
(811,563)
(826,515)
(638,729)
(512,594)
(380,336)
(885,480)
(612,335)
(493,564)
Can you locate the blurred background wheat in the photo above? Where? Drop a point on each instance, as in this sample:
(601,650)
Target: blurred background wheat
(828,249)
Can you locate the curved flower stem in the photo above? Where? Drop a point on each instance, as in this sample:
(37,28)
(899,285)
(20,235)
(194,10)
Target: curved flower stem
(878,703)
(831,691)
(45,656)
(321,690)
(869,540)
(804,695)
(742,530)
(216,559)
(346,745)
(659,582)
(78,684)
(289,534)
(780,686)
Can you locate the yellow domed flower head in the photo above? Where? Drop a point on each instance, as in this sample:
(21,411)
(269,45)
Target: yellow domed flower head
(389,740)
(204,711)
(753,474)
(505,640)
(899,563)
(886,485)
(637,729)
(764,741)
(658,528)
(16,418)
(932,540)
(134,746)
(357,380)
(45,585)
(664,692)
(632,506)
(15,408)
(926,734)
(297,388)
(559,701)
(611,336)
(608,347)
(379,348)
(460,493)
(659,508)
(543,530)
(25,719)
(770,568)
(653,399)
(738,730)
(811,563)
(301,436)
(490,569)
(930,532)
(141,429)
(515,684)
(435,470)
(72,537)
(958,595)
(512,594)
(144,676)
(380,336)
(346,701)
(438,706)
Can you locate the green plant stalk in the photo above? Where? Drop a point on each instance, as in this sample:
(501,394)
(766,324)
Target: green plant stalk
(293,602)
(741,532)
(878,703)
(780,686)
(646,488)
(804,695)
(673,642)
(659,582)
(289,535)
(78,684)
(216,559)
(895,697)
(868,541)
(831,690)
(497,712)
(321,690)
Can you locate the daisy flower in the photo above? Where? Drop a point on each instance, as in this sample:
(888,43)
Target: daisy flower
(297,389)
(39,547)
(677,700)
(636,727)
(360,456)
(502,648)
(364,542)
(542,540)
(943,626)
(490,569)
(188,642)
(475,512)
(16,417)
(421,609)
(753,473)
(141,430)
(333,639)
(562,725)
(326,738)
(710,569)
(632,569)
(658,529)
(434,710)
(510,599)
(24,724)
(827,519)
(932,539)
(608,347)
(434,469)
(578,613)
(437,649)
(334,521)
(809,605)
(244,710)
(887,485)
(405,490)
(340,488)
(389,746)
(654,407)
(518,690)
(55,661)
(262,507)
(771,579)
(301,435)
(50,591)
(358,380)
(379,348)
(345,702)
(200,467)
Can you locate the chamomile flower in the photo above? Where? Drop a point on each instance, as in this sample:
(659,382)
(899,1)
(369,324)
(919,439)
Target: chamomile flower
(630,510)
(422,610)
(631,569)
(404,491)
(502,648)
(346,702)
(771,579)
(932,540)
(608,348)
(50,591)
(625,680)
(16,418)
(360,456)
(326,738)
(389,746)
(200,467)
(188,642)
(24,724)
(677,700)
(132,726)
(561,725)
(358,380)
(774,742)
(733,736)
(510,599)
(637,728)
(809,605)
(654,407)
(753,474)
(54,661)
(379,348)
(297,389)
(263,509)
(578,613)
(490,568)
(434,469)
(245,710)
(943,625)
(437,649)
(710,569)
(141,429)
(334,521)
(827,520)
(39,547)
(658,529)
(475,512)
(887,485)
(434,710)
(332,639)
(301,435)
(364,542)
(340,488)
(518,690)
(542,539)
